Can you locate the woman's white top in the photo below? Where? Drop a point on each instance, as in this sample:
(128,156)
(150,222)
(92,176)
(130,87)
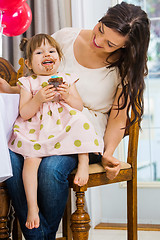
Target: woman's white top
(97,87)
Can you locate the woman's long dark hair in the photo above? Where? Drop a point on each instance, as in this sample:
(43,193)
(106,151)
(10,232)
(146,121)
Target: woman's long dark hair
(131,21)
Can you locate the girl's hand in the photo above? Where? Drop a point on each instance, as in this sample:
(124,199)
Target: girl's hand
(4,86)
(111,165)
(63,89)
(46,94)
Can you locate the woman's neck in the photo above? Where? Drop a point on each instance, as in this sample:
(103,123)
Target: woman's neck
(85,55)
(88,56)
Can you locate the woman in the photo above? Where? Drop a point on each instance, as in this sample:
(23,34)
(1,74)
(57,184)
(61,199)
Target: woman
(111,62)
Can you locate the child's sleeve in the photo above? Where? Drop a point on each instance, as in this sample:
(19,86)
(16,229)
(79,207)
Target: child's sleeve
(24,83)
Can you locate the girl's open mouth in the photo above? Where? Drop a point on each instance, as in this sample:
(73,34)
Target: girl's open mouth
(48,62)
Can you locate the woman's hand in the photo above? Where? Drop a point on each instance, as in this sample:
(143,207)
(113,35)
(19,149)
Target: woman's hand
(63,89)
(46,94)
(111,165)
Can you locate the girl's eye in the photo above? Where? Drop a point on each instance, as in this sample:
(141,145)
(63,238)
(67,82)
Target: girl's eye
(52,51)
(38,52)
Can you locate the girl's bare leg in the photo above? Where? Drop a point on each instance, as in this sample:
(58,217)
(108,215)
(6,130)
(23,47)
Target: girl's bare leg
(30,170)
(81,177)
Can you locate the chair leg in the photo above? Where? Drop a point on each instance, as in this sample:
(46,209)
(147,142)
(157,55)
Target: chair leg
(4,212)
(66,219)
(132,209)
(16,230)
(80,218)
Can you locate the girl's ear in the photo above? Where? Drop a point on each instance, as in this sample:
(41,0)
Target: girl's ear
(27,64)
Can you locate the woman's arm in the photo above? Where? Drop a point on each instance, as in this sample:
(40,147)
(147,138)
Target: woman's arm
(6,88)
(71,96)
(113,135)
(30,105)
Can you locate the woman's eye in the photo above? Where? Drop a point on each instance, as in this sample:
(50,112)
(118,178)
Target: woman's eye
(100,30)
(109,44)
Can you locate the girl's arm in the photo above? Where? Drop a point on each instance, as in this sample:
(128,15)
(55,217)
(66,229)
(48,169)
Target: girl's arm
(30,105)
(71,96)
(6,88)
(113,135)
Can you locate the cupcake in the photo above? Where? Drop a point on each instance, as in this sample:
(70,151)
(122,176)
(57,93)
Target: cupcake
(55,81)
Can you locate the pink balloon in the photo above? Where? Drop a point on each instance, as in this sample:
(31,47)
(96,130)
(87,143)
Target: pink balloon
(7,4)
(16,21)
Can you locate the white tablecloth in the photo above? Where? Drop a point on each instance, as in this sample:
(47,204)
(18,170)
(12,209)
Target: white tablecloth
(8,114)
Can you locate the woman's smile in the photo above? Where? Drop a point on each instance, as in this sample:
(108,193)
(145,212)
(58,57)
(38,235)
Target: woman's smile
(95,43)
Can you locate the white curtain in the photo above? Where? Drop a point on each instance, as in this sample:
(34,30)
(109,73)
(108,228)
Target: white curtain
(48,16)
(86,13)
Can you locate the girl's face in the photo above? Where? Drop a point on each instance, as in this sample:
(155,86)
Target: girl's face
(106,40)
(45,60)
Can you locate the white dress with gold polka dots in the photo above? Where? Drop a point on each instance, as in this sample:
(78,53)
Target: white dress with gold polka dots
(56,129)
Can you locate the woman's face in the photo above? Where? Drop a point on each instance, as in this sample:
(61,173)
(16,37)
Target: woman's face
(45,60)
(106,40)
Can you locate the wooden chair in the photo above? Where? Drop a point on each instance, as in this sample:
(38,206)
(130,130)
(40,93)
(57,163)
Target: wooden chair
(97,177)
(79,220)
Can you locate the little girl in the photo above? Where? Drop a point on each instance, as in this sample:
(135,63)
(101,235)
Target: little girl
(50,121)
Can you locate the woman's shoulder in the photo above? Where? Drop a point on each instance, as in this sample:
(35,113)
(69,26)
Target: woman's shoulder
(66,35)
(66,31)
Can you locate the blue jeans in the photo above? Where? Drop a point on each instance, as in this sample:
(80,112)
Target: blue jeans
(52,193)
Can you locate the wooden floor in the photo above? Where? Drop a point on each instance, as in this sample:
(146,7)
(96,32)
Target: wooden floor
(97,234)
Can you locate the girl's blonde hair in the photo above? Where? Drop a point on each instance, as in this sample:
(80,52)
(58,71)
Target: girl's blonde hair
(28,46)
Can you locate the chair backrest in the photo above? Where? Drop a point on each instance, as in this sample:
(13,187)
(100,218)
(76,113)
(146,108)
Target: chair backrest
(8,72)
